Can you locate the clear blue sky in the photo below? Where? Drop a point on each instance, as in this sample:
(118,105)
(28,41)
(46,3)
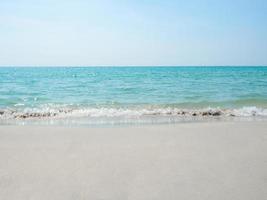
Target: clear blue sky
(137,32)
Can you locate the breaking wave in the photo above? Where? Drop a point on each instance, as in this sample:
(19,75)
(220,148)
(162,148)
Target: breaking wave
(89,112)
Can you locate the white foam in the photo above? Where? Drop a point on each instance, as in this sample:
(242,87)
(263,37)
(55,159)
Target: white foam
(53,111)
(249,111)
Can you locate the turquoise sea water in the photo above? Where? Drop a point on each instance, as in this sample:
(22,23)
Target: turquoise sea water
(131,92)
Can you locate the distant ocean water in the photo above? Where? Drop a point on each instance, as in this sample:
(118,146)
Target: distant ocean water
(93,95)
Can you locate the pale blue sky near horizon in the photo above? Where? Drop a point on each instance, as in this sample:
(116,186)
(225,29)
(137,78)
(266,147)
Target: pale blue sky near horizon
(93,33)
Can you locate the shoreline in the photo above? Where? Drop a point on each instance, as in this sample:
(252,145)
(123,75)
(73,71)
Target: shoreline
(217,160)
(50,112)
(116,122)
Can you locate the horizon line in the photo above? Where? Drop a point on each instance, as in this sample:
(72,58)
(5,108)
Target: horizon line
(132,66)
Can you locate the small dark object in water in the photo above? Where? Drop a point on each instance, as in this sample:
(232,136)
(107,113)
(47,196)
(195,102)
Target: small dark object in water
(194,114)
(205,113)
(34,115)
(1,112)
(216,113)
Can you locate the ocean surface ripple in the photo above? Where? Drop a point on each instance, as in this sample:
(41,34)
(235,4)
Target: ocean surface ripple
(132,92)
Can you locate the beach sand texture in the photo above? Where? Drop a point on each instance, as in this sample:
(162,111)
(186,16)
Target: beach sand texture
(219,160)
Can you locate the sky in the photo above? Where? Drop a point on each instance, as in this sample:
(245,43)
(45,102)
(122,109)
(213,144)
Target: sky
(133,32)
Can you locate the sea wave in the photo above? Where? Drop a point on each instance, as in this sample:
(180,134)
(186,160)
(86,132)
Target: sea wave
(62,112)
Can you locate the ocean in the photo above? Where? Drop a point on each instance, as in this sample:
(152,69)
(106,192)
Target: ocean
(123,95)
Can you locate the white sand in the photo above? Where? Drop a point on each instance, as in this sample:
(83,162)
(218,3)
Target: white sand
(185,161)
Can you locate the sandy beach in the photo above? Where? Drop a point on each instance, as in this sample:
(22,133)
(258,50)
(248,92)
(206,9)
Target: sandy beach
(220,160)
